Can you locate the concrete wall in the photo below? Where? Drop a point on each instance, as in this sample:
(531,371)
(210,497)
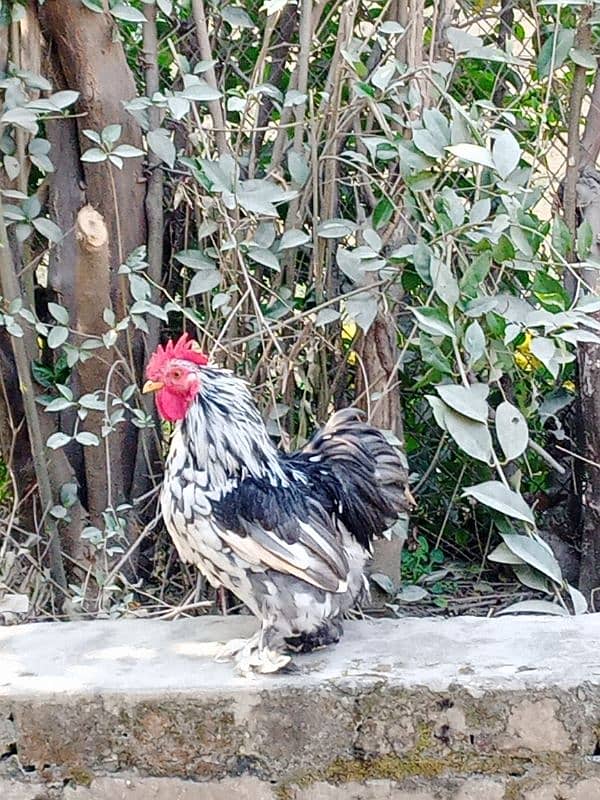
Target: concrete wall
(463,709)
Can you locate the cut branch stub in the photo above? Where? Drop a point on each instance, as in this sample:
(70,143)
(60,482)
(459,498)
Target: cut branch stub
(92,233)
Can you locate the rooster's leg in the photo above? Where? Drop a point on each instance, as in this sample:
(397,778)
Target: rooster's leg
(231,650)
(260,653)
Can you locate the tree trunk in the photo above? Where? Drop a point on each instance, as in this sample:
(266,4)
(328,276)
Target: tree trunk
(588,204)
(90,58)
(104,487)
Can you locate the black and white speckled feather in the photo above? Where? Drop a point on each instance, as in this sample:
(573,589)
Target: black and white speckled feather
(287,534)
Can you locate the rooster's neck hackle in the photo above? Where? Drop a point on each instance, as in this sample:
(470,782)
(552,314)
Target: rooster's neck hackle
(224,436)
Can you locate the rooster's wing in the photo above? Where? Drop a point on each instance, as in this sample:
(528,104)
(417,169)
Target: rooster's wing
(279,527)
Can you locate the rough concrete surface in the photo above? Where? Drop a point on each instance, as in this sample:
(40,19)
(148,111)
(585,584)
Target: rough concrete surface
(412,709)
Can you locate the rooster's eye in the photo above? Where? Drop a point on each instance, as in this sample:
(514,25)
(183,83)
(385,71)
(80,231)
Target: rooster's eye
(176,374)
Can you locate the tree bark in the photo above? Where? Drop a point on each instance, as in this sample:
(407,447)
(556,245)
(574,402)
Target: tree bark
(104,487)
(92,61)
(588,204)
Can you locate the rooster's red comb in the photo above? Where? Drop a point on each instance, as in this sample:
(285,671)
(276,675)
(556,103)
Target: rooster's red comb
(184,348)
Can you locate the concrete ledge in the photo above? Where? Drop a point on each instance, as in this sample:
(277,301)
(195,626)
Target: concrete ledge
(462,709)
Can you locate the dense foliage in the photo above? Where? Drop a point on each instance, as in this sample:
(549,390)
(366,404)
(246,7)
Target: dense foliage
(346,203)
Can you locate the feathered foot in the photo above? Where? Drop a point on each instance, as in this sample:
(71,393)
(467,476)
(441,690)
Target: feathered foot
(251,655)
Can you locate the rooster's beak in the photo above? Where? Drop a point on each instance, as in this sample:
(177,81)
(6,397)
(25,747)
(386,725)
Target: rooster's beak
(152,386)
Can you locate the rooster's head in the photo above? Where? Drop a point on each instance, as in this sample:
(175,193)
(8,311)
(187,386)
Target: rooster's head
(173,374)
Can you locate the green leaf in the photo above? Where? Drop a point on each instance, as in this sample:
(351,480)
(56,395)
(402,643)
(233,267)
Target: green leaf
(472,437)
(433,322)
(504,555)
(468,401)
(383,213)
(535,607)
(561,236)
(111,134)
(22,117)
(58,440)
(237,17)
(127,151)
(204,281)
(425,142)
(194,259)
(87,438)
(544,349)
(59,404)
(159,141)
(585,240)
(336,228)
(327,315)
(550,292)
(48,229)
(293,238)
(433,355)
(127,13)
(531,578)
(506,153)
(57,336)
(533,552)
(298,167)
(59,313)
(475,274)
(497,496)
(511,430)
(444,282)
(94,155)
(201,91)
(474,342)
(583,58)
(564,38)
(473,153)
(362,309)
(265,257)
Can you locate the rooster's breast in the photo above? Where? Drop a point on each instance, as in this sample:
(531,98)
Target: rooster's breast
(189,519)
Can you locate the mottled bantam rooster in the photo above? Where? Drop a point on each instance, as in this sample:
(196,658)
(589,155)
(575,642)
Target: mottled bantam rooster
(288,534)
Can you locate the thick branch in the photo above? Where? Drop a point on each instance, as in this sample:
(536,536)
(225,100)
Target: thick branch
(583,41)
(590,145)
(92,293)
(214,106)
(10,291)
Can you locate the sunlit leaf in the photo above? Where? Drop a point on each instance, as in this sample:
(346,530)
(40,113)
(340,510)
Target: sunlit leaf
(511,430)
(473,153)
(468,401)
(497,496)
(533,553)
(535,607)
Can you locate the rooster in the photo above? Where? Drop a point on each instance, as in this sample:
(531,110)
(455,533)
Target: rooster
(288,534)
